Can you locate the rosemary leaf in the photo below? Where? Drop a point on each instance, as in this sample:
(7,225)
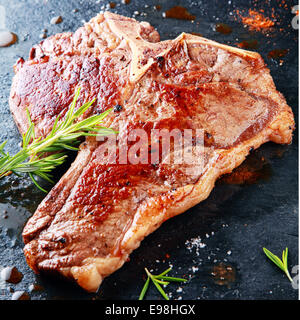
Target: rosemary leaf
(157,281)
(165,272)
(164,283)
(35,182)
(160,289)
(282,264)
(144,290)
(172,279)
(34,157)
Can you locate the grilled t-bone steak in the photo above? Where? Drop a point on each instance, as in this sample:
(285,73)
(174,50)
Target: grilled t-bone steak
(99,212)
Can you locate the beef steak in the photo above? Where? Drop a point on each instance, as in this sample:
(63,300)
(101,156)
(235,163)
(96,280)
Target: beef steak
(100,211)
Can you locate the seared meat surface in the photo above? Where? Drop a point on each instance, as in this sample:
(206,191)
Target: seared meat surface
(100,211)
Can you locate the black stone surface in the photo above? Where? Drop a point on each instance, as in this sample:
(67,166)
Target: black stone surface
(234,223)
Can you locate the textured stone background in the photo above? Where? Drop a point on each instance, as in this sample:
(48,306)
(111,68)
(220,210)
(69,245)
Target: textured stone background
(243,218)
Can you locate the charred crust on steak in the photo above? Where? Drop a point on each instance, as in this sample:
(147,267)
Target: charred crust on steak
(117,108)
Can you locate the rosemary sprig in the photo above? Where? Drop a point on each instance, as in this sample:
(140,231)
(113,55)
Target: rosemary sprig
(282,264)
(159,280)
(34,157)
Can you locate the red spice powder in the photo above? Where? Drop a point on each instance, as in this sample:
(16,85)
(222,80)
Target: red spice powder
(248,44)
(277,53)
(179,12)
(256,20)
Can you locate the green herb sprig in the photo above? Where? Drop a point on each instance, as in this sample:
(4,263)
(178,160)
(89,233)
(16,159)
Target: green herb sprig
(282,264)
(159,280)
(34,157)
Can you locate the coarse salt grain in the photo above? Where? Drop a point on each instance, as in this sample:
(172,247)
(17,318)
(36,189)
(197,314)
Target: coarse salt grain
(195,269)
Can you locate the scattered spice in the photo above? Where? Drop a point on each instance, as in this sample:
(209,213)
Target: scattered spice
(277,53)
(197,34)
(35,287)
(255,20)
(195,269)
(56,20)
(20,295)
(11,274)
(248,44)
(223,274)
(7,38)
(117,108)
(223,28)
(195,244)
(179,12)
(43,36)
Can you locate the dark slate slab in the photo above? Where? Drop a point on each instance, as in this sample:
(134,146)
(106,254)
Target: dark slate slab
(233,224)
